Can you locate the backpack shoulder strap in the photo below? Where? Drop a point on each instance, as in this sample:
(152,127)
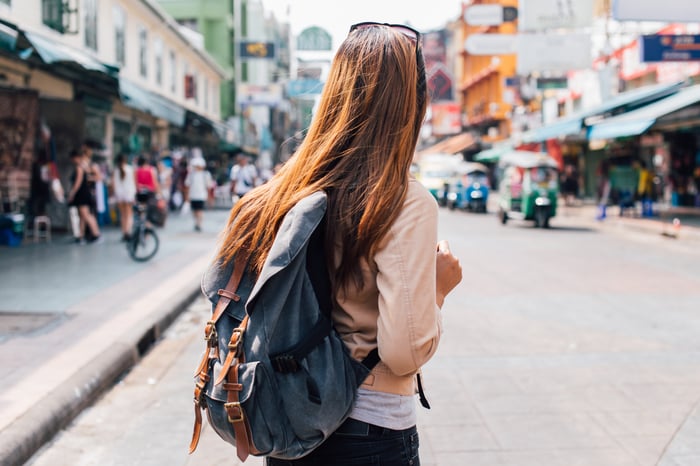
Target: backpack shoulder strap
(317,269)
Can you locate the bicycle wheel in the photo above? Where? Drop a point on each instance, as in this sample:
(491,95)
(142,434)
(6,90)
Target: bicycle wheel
(143,245)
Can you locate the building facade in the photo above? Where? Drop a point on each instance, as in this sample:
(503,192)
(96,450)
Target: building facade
(118,74)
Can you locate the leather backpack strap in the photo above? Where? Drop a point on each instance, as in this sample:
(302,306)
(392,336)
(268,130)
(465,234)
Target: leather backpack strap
(235,413)
(211,353)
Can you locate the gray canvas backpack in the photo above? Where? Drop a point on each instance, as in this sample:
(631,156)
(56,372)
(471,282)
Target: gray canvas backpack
(276,379)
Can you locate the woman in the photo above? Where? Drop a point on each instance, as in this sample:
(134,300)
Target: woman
(124,188)
(388,281)
(146,177)
(198,182)
(80,197)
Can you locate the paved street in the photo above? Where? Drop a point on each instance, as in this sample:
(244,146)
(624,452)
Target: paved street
(572,346)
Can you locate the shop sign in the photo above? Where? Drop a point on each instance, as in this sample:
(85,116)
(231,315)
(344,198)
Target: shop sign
(254,49)
(489,15)
(682,11)
(300,87)
(557,53)
(512,81)
(446,118)
(666,47)
(537,15)
(252,94)
(491,44)
(552,83)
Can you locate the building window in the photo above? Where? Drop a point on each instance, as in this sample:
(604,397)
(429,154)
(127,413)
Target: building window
(143,52)
(173,72)
(52,14)
(189,23)
(91,24)
(119,35)
(158,59)
(205,85)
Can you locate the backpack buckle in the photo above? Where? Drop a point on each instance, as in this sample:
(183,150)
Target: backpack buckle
(234,409)
(285,363)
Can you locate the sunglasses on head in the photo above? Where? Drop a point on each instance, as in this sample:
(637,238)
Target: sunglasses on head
(407,31)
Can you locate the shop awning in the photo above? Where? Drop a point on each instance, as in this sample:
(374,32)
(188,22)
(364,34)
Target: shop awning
(451,145)
(493,154)
(54,52)
(135,96)
(8,37)
(640,120)
(626,101)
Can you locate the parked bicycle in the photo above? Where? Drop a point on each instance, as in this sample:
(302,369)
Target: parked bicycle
(143,243)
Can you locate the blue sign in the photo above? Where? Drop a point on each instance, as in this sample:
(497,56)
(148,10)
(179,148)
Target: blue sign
(665,48)
(512,81)
(299,87)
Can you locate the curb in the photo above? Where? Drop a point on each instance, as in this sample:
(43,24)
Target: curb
(33,429)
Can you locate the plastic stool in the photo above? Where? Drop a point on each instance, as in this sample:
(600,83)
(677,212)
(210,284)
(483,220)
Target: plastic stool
(39,232)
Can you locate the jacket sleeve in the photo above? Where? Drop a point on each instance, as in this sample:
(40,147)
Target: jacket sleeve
(409,323)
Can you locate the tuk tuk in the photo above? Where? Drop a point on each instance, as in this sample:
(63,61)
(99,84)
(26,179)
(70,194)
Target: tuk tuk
(471,189)
(437,172)
(528,188)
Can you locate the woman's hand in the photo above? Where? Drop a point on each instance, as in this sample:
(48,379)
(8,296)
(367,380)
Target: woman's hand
(448,272)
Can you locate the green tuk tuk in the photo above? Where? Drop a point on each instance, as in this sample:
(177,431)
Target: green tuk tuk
(528,188)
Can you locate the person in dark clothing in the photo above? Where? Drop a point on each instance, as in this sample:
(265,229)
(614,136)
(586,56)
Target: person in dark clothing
(80,197)
(40,187)
(569,185)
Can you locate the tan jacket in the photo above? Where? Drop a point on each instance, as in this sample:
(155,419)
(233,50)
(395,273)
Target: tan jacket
(396,309)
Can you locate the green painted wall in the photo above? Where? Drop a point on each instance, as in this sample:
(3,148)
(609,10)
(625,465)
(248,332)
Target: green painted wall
(214,18)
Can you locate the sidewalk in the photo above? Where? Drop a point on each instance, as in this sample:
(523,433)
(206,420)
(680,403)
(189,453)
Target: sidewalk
(74,317)
(662,223)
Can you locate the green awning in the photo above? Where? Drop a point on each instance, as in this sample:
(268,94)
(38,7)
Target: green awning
(573,124)
(8,37)
(135,96)
(493,154)
(640,120)
(54,52)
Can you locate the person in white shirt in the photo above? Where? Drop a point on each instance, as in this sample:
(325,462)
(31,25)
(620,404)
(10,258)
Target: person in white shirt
(198,182)
(244,177)
(124,189)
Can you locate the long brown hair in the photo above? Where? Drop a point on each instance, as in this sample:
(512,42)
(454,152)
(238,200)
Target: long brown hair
(358,150)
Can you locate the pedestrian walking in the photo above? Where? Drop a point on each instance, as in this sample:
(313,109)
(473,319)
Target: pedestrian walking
(603,191)
(80,197)
(95,178)
(124,189)
(198,182)
(146,178)
(388,281)
(178,190)
(244,177)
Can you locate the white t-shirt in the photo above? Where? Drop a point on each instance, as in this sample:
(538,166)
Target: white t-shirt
(124,189)
(199,182)
(244,177)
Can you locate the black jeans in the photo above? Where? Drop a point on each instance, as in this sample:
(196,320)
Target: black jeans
(358,443)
